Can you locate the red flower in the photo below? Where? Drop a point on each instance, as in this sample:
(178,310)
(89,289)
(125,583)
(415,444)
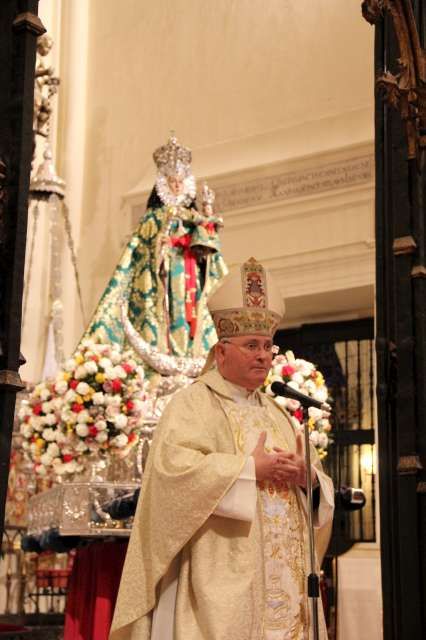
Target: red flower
(116,385)
(127,367)
(93,431)
(67,457)
(287,371)
(130,405)
(132,436)
(77,407)
(298,414)
(73,384)
(94,358)
(37,409)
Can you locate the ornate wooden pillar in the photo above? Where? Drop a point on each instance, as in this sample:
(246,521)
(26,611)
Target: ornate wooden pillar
(19,27)
(400,65)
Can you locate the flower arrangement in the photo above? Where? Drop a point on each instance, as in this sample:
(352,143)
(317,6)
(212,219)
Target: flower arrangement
(304,377)
(95,405)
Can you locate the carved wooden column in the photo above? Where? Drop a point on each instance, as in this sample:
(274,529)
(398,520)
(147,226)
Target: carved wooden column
(19,27)
(401,308)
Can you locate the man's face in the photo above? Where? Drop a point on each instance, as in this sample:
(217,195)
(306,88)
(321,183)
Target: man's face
(245,360)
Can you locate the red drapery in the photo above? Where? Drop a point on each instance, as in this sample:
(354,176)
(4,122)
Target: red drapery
(93,589)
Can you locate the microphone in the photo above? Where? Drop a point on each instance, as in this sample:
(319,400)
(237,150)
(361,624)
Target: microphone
(282,389)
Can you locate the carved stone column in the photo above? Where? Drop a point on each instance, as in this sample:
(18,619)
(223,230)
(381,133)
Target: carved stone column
(401,308)
(19,26)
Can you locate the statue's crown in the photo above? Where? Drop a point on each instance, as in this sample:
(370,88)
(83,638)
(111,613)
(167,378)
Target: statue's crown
(172,158)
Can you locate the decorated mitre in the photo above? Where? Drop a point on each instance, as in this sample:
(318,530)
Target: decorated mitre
(248,302)
(172,159)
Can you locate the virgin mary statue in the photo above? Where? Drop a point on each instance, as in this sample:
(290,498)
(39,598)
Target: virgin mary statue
(170,267)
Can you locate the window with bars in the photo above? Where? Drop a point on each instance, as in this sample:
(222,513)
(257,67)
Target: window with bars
(344,353)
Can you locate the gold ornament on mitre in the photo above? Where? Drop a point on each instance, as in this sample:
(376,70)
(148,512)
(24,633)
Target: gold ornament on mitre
(248,303)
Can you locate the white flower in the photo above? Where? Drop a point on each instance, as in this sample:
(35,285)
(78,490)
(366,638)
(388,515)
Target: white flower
(297,377)
(26,430)
(69,365)
(105,363)
(321,394)
(83,388)
(305,367)
(68,416)
(111,412)
(61,387)
(45,394)
(60,437)
(81,447)
(315,413)
(46,459)
(101,425)
(82,430)
(23,411)
(83,416)
(49,434)
(37,423)
(91,367)
(120,441)
(46,407)
(310,387)
(289,355)
(80,372)
(70,395)
(323,440)
(50,419)
(314,438)
(293,385)
(115,400)
(70,467)
(57,403)
(115,356)
(53,449)
(98,398)
(110,373)
(120,421)
(119,372)
(101,437)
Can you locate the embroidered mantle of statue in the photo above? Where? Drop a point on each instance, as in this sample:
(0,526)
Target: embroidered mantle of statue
(168,270)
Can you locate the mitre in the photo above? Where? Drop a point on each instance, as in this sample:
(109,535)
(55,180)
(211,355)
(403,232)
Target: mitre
(249,302)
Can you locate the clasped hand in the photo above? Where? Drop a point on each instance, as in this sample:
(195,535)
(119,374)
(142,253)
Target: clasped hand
(281,466)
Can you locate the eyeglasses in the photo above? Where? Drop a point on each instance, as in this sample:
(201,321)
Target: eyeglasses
(252,346)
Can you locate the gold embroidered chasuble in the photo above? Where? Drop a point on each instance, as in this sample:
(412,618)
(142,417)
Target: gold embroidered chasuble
(237,579)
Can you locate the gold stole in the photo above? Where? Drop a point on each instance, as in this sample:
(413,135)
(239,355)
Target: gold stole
(283,525)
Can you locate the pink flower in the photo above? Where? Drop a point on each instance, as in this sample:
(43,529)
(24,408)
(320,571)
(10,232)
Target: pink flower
(287,371)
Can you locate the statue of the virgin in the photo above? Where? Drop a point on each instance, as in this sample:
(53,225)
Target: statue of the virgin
(170,267)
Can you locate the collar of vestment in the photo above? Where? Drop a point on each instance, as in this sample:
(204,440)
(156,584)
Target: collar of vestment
(223,387)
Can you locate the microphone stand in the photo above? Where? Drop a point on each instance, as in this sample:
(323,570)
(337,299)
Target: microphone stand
(313,578)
